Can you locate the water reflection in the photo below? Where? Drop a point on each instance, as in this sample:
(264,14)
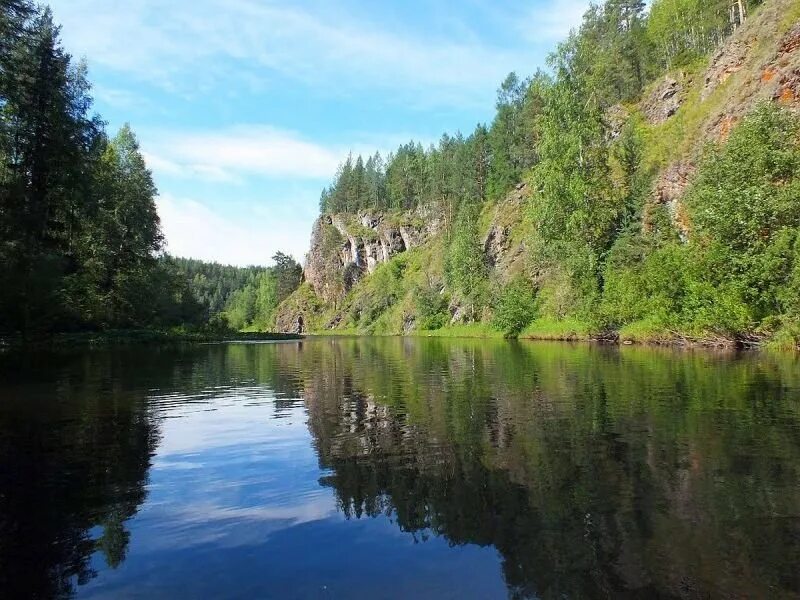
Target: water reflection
(595,473)
(75,448)
(363,467)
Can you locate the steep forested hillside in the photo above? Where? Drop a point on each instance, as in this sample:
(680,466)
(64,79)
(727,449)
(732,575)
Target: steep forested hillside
(647,184)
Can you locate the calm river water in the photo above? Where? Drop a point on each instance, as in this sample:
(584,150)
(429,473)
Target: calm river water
(399,468)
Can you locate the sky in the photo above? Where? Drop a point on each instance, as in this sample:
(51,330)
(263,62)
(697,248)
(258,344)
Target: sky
(245,108)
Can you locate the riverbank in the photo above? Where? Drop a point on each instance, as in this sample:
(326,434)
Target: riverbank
(138,336)
(639,334)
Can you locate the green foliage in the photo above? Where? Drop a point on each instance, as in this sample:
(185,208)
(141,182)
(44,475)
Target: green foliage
(577,212)
(482,166)
(512,137)
(747,190)
(212,284)
(253,305)
(683,30)
(430,307)
(465,266)
(79,232)
(744,206)
(515,308)
(546,328)
(610,55)
(288,274)
(739,272)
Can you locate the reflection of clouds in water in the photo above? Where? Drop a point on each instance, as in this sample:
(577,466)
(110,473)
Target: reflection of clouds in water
(237,420)
(231,471)
(199,523)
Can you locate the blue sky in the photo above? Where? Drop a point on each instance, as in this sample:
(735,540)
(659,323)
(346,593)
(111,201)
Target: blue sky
(244,108)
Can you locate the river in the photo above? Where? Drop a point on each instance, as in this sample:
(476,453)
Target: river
(399,468)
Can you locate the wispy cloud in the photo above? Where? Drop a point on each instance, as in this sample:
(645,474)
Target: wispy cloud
(231,155)
(257,150)
(193,229)
(183,46)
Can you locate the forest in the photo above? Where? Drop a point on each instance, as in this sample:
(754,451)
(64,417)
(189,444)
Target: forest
(620,48)
(82,248)
(81,245)
(599,254)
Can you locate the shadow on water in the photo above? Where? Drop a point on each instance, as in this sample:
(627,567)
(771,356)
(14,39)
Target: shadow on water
(593,471)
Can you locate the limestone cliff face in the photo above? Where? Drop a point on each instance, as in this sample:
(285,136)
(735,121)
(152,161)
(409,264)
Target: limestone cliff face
(345,248)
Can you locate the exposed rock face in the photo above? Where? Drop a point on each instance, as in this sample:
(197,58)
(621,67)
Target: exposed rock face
(728,60)
(290,322)
(615,119)
(669,190)
(503,254)
(664,101)
(768,72)
(791,41)
(344,248)
(786,75)
(496,243)
(760,70)
(322,262)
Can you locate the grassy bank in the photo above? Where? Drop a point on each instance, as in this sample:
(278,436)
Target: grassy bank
(645,333)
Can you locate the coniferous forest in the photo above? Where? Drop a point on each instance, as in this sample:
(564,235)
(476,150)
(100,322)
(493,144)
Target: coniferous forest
(79,231)
(81,246)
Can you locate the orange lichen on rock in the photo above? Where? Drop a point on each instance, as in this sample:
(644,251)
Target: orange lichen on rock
(726,126)
(768,75)
(787,96)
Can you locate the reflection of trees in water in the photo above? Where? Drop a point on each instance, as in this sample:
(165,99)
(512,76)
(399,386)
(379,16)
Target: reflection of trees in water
(77,433)
(74,454)
(594,472)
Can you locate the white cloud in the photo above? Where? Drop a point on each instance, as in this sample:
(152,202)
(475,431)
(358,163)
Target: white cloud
(182,46)
(193,229)
(256,150)
(231,155)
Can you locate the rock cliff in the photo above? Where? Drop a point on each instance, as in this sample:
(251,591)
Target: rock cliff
(345,248)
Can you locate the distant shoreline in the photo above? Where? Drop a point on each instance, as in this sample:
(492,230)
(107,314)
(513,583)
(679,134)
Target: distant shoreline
(134,337)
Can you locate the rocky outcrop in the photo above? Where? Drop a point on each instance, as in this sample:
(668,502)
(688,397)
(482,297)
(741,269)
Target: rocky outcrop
(669,189)
(615,119)
(764,70)
(323,261)
(756,68)
(496,243)
(664,101)
(786,72)
(503,254)
(345,247)
(729,59)
(290,322)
